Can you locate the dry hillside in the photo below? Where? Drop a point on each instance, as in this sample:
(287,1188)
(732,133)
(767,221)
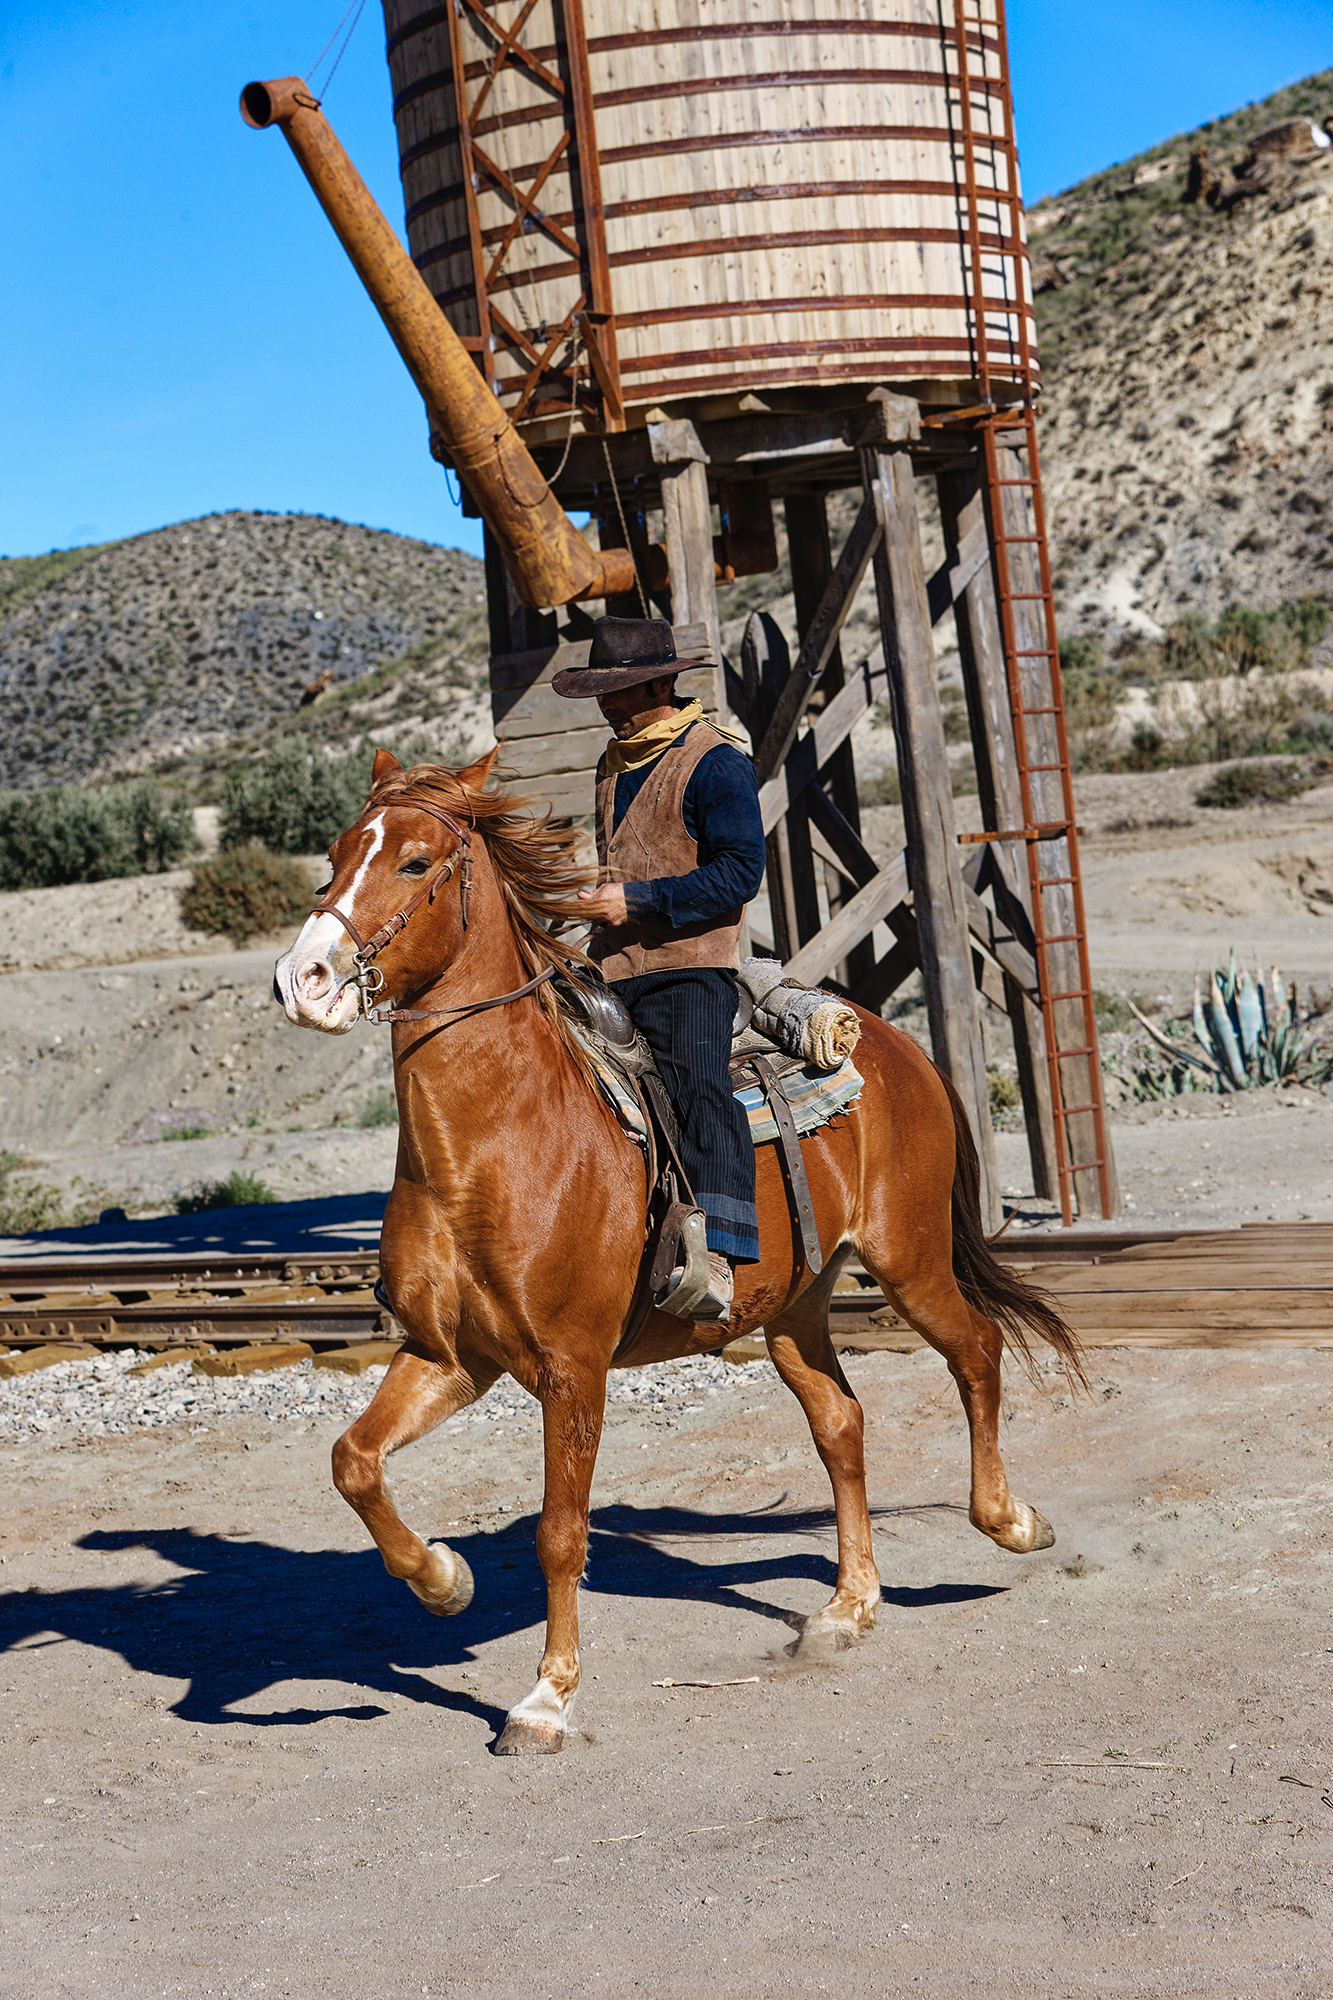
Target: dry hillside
(1187,347)
(187,644)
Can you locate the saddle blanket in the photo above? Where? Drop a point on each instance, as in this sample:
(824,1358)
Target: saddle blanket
(815,1096)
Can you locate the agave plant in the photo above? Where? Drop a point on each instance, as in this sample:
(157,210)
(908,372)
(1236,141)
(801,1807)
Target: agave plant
(1249,1032)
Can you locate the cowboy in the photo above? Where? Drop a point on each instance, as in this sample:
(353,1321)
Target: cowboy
(680,841)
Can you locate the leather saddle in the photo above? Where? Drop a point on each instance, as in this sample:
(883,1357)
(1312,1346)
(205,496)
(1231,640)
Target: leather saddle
(675,1238)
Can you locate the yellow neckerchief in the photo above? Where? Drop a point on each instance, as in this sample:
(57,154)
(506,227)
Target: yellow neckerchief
(631,753)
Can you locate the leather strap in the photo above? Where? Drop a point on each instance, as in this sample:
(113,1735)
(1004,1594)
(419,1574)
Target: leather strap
(793,1165)
(383,1014)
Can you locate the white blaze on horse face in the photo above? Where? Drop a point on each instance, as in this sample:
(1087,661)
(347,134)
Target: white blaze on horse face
(313,979)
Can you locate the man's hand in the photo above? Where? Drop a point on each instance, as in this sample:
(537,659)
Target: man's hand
(606,904)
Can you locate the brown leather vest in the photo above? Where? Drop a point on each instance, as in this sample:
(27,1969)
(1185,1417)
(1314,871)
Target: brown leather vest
(652,842)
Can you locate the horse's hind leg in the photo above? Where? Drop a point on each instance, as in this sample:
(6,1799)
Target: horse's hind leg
(572,1429)
(929,1300)
(413,1398)
(798,1341)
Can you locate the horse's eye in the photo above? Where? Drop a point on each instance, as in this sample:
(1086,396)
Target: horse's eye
(417,867)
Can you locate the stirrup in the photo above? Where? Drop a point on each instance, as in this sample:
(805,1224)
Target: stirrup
(688,1285)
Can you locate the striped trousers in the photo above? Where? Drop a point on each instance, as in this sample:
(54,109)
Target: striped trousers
(685,1017)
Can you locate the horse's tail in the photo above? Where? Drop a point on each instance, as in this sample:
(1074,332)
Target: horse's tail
(1018,1309)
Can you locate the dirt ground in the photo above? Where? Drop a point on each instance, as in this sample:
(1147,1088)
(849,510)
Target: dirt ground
(241,1760)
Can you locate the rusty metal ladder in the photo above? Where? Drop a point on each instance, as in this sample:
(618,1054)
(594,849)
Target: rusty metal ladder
(1032,657)
(1051,844)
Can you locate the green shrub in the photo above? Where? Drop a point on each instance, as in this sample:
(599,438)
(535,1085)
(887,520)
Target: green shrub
(297,801)
(245,892)
(380,1108)
(1254,785)
(70,835)
(239,1190)
(1005,1094)
(883,790)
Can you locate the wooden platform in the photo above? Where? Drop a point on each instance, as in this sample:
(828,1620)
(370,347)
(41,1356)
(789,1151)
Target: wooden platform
(1269,1284)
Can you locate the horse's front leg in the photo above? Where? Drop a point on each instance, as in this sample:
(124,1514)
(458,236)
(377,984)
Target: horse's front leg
(572,1429)
(413,1398)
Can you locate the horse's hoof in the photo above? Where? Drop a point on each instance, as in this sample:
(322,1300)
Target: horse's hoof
(1025,1534)
(833,1630)
(536,1728)
(447,1588)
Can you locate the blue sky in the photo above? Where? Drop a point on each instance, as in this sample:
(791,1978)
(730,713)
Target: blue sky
(181,332)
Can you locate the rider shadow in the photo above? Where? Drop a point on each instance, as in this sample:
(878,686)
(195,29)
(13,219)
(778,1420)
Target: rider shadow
(240,1617)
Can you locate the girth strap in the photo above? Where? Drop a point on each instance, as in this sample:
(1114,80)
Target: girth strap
(793,1165)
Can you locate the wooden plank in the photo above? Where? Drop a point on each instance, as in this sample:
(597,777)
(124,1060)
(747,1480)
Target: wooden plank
(537,756)
(817,647)
(958,569)
(827,730)
(537,711)
(855,920)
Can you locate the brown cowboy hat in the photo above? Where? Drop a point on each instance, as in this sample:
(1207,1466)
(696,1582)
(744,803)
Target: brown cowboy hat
(625,653)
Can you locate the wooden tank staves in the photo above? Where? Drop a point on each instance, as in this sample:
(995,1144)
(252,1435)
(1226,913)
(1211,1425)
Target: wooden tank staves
(685,198)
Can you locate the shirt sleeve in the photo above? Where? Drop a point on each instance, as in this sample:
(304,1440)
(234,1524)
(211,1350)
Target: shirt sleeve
(721,814)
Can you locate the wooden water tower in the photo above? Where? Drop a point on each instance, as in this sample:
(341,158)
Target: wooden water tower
(721,257)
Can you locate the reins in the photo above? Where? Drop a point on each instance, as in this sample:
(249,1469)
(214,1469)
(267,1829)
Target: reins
(368,949)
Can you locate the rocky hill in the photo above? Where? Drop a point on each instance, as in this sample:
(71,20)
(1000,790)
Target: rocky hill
(1185,302)
(183,647)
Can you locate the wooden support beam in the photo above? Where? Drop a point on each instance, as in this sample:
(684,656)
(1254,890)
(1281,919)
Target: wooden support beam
(854,921)
(934,864)
(959,567)
(830,727)
(817,647)
(687,518)
(790,868)
(810,553)
(981,651)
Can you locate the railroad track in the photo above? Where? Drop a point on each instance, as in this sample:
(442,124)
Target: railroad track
(1266,1283)
(158,1301)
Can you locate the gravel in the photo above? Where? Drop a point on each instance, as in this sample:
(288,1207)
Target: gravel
(99,1397)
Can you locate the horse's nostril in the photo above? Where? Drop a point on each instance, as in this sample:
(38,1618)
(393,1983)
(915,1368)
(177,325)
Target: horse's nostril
(277,990)
(316,979)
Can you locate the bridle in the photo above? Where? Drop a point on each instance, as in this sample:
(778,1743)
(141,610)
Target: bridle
(368,978)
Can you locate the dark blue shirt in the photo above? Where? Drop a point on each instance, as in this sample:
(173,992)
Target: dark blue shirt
(721,814)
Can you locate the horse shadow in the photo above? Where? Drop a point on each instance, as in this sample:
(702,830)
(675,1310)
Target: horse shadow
(241,1617)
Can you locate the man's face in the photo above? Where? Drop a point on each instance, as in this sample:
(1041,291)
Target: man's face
(628,709)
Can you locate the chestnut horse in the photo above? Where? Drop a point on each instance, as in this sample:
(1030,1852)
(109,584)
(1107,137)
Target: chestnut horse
(513,1234)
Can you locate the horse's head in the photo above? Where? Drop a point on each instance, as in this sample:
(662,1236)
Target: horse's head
(381,866)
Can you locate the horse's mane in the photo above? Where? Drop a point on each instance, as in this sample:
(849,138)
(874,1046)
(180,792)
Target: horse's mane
(537,862)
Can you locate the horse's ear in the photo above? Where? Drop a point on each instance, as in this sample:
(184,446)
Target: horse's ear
(477,774)
(384,767)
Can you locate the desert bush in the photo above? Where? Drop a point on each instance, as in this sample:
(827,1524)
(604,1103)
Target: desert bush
(239,1190)
(1254,785)
(296,802)
(881,790)
(71,835)
(1243,695)
(1005,1094)
(380,1108)
(244,892)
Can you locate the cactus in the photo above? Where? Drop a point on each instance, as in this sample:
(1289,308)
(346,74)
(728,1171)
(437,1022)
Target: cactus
(1247,1032)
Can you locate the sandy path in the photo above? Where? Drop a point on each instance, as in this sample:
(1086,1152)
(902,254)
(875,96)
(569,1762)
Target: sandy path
(241,1760)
